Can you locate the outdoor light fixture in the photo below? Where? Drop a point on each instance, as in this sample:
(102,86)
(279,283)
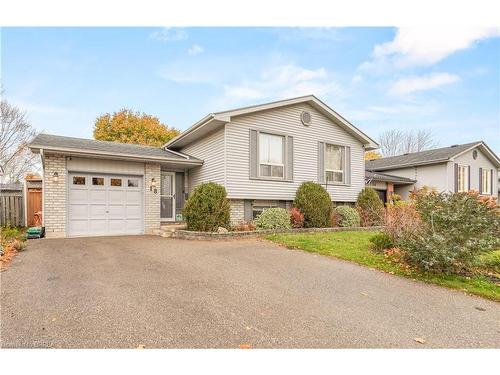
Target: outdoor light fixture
(152,187)
(55,177)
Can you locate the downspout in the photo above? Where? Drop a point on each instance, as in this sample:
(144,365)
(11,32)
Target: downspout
(42,156)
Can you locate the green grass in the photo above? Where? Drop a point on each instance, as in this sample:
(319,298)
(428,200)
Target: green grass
(355,247)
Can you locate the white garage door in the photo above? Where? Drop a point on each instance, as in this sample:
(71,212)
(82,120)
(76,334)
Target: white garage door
(100,205)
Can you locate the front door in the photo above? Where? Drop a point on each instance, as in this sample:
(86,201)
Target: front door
(167,196)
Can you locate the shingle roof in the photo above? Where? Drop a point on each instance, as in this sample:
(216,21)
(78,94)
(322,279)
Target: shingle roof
(369,175)
(418,158)
(56,142)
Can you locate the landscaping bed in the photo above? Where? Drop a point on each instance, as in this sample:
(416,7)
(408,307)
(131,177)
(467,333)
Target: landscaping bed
(12,241)
(355,246)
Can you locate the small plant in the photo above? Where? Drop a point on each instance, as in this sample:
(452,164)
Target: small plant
(381,242)
(9,232)
(207,208)
(244,226)
(347,216)
(315,204)
(273,218)
(370,207)
(18,245)
(296,218)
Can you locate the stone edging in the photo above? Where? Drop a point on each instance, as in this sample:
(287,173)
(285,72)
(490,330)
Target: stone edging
(192,235)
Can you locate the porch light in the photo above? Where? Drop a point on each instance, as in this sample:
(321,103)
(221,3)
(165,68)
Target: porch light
(152,186)
(55,177)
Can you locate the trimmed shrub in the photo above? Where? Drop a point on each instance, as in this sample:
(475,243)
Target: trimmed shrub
(347,216)
(370,207)
(207,208)
(315,204)
(456,228)
(296,218)
(381,242)
(273,218)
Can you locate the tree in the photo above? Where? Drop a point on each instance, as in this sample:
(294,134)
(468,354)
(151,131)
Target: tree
(397,142)
(372,155)
(16,159)
(127,126)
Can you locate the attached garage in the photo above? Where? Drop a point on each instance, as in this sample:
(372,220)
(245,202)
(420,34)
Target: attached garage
(100,204)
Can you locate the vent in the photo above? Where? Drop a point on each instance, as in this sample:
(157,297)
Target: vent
(454,146)
(306,118)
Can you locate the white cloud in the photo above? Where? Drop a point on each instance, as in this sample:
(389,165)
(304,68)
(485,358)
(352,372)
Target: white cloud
(425,46)
(357,78)
(195,49)
(169,34)
(409,85)
(279,82)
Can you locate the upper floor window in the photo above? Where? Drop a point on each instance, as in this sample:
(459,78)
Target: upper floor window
(486,177)
(463,178)
(334,164)
(271,163)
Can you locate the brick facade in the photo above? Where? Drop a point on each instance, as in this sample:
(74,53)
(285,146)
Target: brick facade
(54,191)
(237,211)
(151,199)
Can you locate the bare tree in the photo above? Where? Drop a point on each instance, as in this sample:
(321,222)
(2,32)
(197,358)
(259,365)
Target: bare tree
(397,142)
(15,133)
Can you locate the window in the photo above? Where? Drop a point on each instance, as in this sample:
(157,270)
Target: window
(334,163)
(463,178)
(78,180)
(98,181)
(116,182)
(258,208)
(486,181)
(133,182)
(271,162)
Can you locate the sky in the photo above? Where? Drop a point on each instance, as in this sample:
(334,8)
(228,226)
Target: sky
(446,80)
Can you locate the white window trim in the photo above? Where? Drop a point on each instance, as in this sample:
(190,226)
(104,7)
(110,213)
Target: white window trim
(282,165)
(466,179)
(335,170)
(486,187)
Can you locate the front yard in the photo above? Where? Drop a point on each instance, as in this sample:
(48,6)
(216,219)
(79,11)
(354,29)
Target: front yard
(355,247)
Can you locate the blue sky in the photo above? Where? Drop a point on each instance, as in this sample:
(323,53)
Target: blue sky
(446,80)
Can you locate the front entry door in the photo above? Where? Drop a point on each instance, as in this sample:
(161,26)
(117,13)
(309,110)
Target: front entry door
(167,196)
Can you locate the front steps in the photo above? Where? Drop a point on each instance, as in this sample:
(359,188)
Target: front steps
(168,230)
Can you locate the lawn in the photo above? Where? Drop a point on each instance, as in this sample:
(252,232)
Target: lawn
(355,247)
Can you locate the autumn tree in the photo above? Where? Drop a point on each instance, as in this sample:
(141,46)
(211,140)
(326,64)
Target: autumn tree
(372,155)
(16,159)
(127,126)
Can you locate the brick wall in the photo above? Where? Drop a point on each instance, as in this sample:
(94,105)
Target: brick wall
(237,211)
(151,200)
(54,211)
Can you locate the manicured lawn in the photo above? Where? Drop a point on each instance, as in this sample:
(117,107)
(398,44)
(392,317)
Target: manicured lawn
(354,246)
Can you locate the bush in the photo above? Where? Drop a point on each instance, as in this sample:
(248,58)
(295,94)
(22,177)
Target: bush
(348,216)
(401,219)
(490,261)
(315,204)
(244,226)
(273,218)
(381,242)
(370,207)
(456,228)
(8,232)
(207,208)
(296,218)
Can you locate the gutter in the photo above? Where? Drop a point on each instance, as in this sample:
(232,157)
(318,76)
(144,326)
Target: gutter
(189,130)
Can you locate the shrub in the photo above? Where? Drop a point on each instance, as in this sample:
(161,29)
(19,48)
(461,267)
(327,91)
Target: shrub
(381,242)
(296,218)
(401,219)
(18,245)
(273,218)
(370,207)
(315,204)
(207,208)
(490,261)
(244,226)
(456,228)
(348,216)
(8,232)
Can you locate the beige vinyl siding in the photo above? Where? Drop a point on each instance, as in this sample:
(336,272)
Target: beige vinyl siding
(286,120)
(210,149)
(92,165)
(481,162)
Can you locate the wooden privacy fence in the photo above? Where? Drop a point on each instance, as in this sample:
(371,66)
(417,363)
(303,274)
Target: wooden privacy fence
(11,210)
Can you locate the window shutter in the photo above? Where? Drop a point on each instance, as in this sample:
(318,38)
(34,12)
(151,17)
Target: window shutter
(456,178)
(247,214)
(289,159)
(348,165)
(321,162)
(491,181)
(254,153)
(480,180)
(468,177)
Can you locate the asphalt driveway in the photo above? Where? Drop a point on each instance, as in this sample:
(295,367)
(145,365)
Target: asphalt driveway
(128,292)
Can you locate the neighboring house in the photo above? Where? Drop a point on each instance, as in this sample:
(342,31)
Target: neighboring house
(260,154)
(471,166)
